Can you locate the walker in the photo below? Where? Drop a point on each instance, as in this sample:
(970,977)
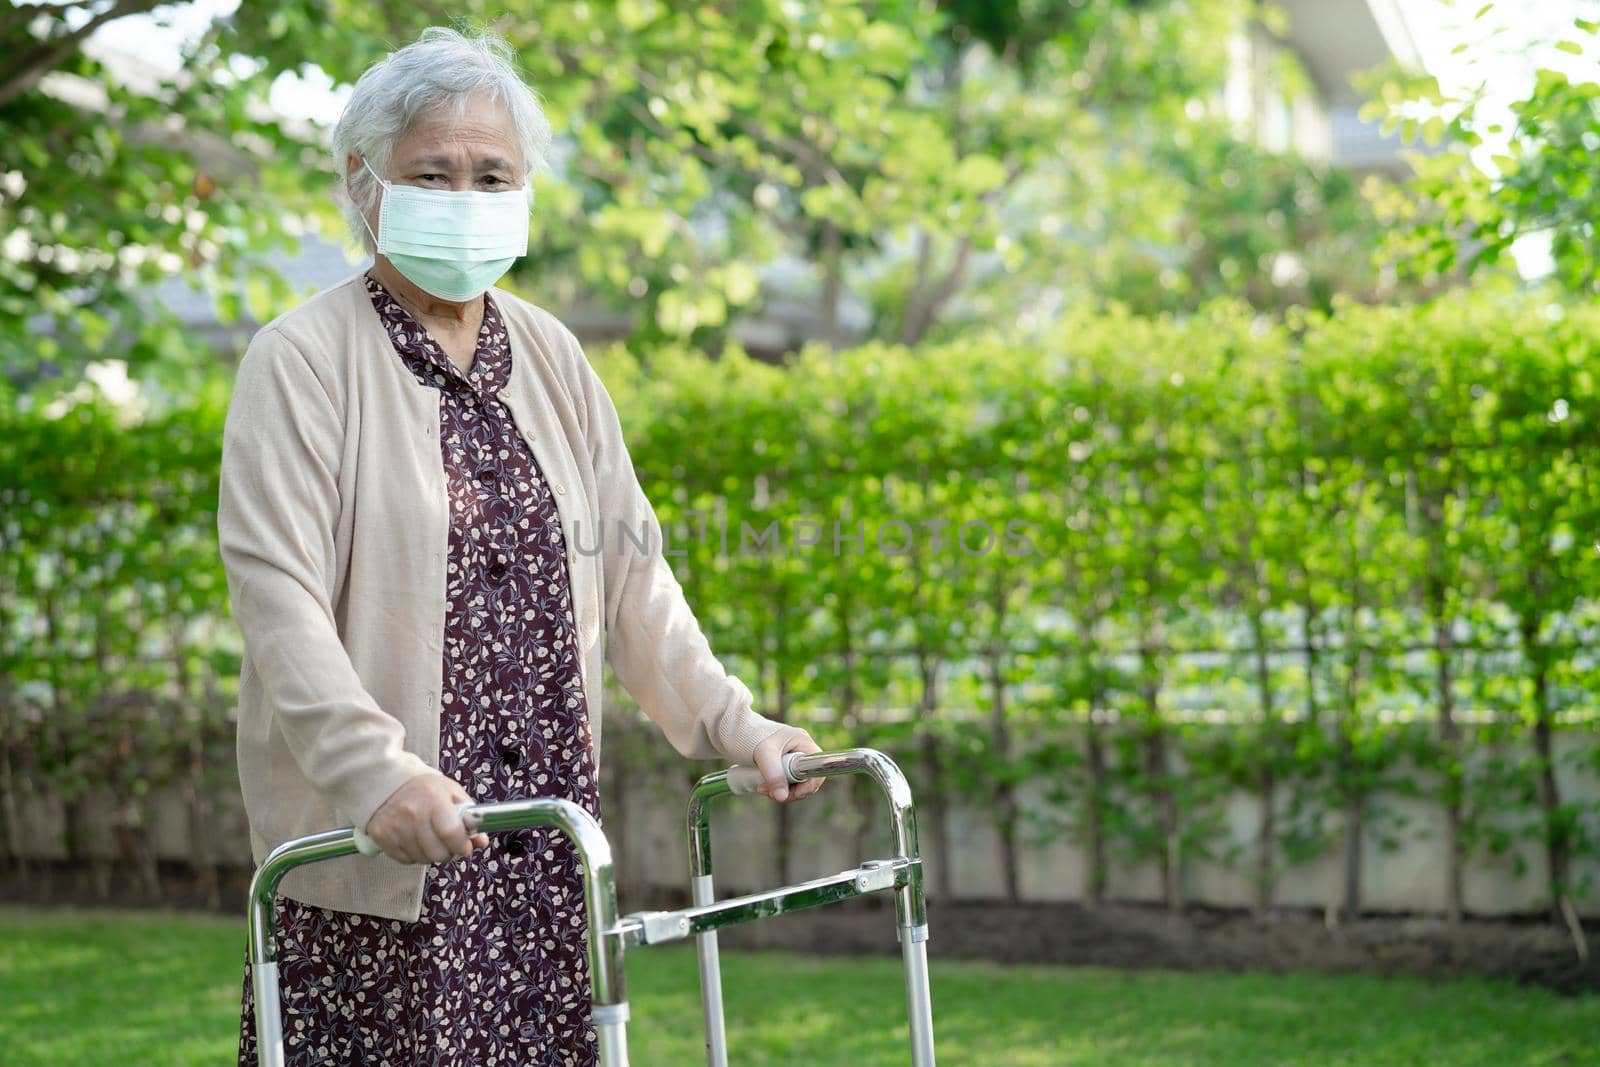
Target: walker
(610,936)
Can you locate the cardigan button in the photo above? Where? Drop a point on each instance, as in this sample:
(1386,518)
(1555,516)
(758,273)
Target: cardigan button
(560,488)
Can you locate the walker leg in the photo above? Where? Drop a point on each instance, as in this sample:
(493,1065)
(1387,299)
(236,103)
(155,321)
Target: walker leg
(608,995)
(611,1027)
(710,980)
(911,905)
(911,917)
(919,1004)
(269,1023)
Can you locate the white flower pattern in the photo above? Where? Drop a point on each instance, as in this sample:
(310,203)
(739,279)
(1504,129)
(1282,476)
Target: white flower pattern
(495,970)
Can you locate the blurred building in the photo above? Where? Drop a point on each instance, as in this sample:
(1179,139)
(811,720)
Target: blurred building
(1292,90)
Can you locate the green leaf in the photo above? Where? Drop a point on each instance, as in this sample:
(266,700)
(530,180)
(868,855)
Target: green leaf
(976,175)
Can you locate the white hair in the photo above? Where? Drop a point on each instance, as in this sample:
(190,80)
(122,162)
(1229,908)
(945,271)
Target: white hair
(443,68)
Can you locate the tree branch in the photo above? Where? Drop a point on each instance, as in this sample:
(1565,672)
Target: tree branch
(921,320)
(700,150)
(28,69)
(807,155)
(922,314)
(22,14)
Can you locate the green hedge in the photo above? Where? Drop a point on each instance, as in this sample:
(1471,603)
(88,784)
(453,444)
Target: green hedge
(1365,542)
(118,658)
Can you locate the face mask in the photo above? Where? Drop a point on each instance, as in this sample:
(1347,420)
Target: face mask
(449,244)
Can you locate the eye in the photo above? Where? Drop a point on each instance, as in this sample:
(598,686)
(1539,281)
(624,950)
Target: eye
(490,179)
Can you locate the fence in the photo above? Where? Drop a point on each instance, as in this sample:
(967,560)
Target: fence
(1045,571)
(1402,861)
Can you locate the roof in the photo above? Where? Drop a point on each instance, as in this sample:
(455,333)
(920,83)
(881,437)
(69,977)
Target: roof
(1336,39)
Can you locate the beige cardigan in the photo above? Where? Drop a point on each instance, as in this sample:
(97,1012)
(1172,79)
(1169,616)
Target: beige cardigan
(334,532)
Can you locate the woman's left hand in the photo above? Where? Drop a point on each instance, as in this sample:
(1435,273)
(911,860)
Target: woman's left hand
(768,757)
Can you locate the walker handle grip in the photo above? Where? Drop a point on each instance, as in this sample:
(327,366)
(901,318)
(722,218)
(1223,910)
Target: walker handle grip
(746,778)
(368,847)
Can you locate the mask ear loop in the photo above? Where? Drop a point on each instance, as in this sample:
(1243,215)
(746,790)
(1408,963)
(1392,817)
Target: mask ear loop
(363,215)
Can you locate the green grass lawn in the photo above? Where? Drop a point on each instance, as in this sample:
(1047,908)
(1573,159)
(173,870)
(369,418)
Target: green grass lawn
(124,988)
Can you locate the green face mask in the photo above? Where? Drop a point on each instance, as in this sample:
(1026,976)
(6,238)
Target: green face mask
(451,245)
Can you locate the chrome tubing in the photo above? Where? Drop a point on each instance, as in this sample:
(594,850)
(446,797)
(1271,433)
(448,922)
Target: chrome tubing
(610,1003)
(911,908)
(710,977)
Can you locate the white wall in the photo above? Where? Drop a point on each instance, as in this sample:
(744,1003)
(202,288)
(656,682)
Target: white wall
(646,827)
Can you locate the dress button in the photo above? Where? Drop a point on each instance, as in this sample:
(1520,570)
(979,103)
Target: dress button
(497,570)
(488,475)
(512,756)
(515,847)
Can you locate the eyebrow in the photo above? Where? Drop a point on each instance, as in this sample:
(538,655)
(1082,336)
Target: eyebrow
(446,162)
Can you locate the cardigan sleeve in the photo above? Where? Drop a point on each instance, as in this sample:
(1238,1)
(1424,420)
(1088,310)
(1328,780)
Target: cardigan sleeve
(276,513)
(654,642)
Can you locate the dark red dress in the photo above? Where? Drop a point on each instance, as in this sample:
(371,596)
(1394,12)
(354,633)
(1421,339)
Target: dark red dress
(495,970)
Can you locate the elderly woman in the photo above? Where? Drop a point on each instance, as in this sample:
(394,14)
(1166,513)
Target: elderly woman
(430,527)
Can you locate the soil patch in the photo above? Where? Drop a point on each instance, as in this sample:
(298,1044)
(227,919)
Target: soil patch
(1135,937)
(1528,950)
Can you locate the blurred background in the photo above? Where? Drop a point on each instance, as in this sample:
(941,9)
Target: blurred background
(1168,427)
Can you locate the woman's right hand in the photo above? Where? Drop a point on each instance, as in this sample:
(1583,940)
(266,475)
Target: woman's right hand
(419,823)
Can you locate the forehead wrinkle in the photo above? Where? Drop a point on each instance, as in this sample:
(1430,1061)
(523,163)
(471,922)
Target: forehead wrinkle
(432,159)
(446,162)
(442,139)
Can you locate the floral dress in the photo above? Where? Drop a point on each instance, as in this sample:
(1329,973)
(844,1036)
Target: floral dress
(495,970)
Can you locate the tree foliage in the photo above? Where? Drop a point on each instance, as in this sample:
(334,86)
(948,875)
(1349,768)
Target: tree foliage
(893,171)
(110,187)
(1483,186)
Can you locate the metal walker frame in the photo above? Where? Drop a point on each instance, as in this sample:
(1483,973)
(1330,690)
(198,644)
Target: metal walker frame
(610,935)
